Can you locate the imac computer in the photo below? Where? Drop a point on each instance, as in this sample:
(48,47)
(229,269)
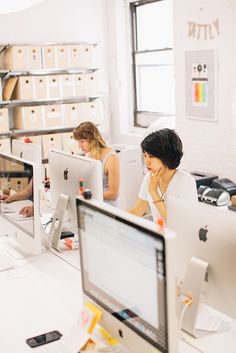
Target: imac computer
(65,172)
(207,233)
(127,268)
(29,151)
(16,174)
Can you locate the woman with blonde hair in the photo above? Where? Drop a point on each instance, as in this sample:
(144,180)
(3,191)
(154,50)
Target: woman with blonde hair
(93,145)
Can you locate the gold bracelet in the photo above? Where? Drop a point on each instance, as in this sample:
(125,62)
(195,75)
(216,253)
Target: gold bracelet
(160,200)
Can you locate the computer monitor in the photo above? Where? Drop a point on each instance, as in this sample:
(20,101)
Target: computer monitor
(65,172)
(127,268)
(15,175)
(29,151)
(209,233)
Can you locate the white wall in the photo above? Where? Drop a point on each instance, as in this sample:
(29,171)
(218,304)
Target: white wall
(209,146)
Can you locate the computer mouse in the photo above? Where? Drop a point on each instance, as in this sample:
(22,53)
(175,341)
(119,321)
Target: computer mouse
(223,199)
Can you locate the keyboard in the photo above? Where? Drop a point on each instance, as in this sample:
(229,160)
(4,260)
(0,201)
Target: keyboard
(5,262)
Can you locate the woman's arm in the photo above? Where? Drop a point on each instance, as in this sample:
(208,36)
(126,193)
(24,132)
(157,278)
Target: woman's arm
(140,208)
(112,169)
(21,195)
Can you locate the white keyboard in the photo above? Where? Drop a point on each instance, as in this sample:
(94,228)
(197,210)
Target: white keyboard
(5,262)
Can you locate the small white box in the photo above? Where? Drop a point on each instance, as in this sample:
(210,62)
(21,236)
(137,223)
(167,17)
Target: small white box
(15,57)
(53,115)
(94,112)
(24,88)
(33,57)
(51,141)
(40,84)
(81,55)
(54,86)
(4,120)
(91,83)
(69,144)
(49,56)
(68,89)
(74,114)
(80,85)
(5,145)
(62,56)
(28,118)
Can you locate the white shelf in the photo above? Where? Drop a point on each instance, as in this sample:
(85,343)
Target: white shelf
(44,72)
(50,101)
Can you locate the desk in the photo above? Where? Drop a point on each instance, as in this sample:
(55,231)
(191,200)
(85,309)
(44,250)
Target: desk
(46,294)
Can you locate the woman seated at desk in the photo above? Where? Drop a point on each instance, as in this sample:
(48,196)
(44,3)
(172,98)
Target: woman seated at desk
(92,144)
(162,152)
(25,194)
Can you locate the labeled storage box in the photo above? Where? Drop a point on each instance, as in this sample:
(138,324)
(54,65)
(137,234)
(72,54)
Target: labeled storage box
(49,56)
(62,56)
(40,85)
(81,55)
(54,86)
(80,85)
(53,116)
(67,83)
(22,57)
(74,114)
(24,88)
(91,83)
(69,144)
(94,112)
(51,141)
(4,120)
(28,118)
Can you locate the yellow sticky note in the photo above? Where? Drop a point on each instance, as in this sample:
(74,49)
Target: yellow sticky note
(97,317)
(112,341)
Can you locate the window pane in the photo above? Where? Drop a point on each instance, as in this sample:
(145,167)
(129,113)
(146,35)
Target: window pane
(155,89)
(154,26)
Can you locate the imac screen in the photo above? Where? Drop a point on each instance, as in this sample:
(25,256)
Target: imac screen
(123,269)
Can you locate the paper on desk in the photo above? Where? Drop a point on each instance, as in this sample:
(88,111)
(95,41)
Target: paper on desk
(15,206)
(211,320)
(17,217)
(76,338)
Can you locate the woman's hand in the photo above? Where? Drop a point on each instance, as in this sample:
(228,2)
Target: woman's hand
(27,211)
(154,183)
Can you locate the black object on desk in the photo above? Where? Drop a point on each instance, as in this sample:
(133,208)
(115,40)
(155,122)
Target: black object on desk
(225,184)
(203,178)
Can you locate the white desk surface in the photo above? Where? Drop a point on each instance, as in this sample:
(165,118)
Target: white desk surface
(45,294)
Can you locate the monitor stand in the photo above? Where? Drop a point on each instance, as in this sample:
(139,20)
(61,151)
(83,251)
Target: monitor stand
(57,220)
(191,289)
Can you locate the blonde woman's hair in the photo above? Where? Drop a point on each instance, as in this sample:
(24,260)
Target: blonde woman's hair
(89,132)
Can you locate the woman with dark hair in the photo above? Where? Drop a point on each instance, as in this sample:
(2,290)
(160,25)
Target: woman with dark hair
(92,144)
(162,152)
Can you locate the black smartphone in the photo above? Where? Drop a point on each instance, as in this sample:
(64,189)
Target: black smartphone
(43,339)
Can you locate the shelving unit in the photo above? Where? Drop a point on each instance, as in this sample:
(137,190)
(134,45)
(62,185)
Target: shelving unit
(39,50)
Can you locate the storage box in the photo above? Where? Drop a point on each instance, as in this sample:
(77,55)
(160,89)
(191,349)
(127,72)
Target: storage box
(28,118)
(80,85)
(91,83)
(62,56)
(40,84)
(74,114)
(54,86)
(5,145)
(68,89)
(69,144)
(51,141)
(13,167)
(15,57)
(22,57)
(24,88)
(53,116)
(37,139)
(49,56)
(34,57)
(81,55)
(4,120)
(94,112)
(18,184)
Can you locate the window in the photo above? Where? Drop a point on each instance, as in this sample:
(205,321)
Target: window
(153,66)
